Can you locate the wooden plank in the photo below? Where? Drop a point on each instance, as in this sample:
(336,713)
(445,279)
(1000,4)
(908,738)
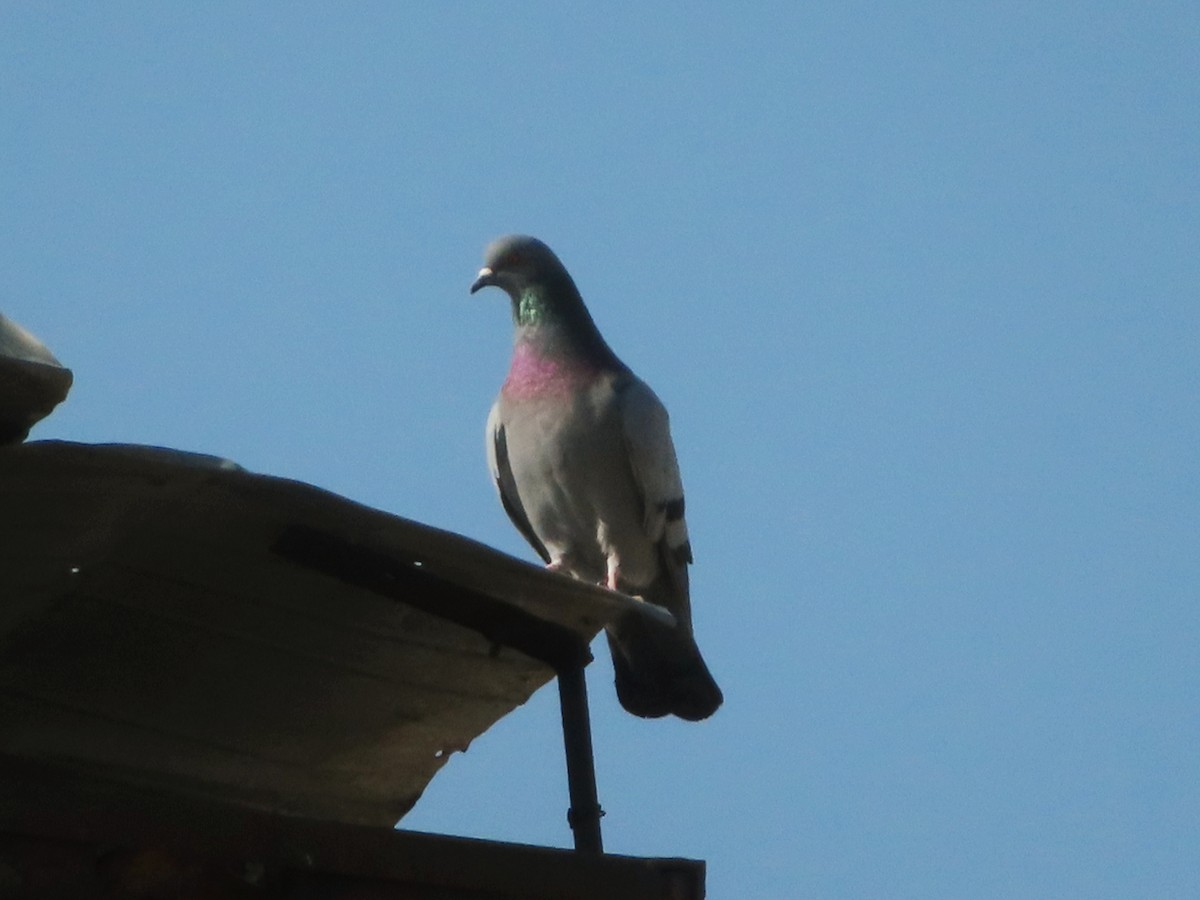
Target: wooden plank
(189,624)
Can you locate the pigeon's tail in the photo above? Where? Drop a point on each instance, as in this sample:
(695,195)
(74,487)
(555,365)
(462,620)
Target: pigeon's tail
(659,671)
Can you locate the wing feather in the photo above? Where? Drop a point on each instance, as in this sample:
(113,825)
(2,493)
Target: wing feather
(506,485)
(655,467)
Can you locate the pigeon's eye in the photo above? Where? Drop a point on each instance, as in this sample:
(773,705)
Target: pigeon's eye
(513,259)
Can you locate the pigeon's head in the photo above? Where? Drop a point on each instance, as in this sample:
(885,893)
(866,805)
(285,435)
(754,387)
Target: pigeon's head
(516,262)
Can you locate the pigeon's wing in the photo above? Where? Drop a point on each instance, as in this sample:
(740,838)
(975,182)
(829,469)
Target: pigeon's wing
(647,433)
(660,671)
(506,486)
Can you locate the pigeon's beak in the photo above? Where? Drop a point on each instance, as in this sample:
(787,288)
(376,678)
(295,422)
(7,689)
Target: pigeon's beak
(486,276)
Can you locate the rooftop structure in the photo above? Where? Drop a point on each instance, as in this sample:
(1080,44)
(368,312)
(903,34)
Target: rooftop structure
(234,684)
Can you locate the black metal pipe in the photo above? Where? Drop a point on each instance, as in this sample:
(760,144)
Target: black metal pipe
(585,812)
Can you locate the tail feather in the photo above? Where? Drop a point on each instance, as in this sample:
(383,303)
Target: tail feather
(659,671)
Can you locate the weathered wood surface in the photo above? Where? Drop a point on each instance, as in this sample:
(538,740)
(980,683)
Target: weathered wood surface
(169,619)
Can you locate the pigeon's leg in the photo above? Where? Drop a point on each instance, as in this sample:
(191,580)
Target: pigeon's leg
(614,573)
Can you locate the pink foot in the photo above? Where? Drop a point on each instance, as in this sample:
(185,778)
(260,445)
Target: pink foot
(614,572)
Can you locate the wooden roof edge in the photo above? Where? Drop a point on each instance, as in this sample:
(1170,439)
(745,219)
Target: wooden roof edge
(365,531)
(40,801)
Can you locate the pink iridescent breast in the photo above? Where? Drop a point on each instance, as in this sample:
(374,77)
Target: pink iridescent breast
(534,374)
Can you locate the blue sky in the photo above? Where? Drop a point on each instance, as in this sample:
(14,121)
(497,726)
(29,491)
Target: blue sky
(918,282)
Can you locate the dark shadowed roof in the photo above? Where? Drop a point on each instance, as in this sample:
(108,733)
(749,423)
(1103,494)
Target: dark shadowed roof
(170,620)
(73,837)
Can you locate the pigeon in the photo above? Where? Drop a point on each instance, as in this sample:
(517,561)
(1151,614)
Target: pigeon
(581,455)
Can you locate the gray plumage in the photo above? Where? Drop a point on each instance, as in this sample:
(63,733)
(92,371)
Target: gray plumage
(581,454)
